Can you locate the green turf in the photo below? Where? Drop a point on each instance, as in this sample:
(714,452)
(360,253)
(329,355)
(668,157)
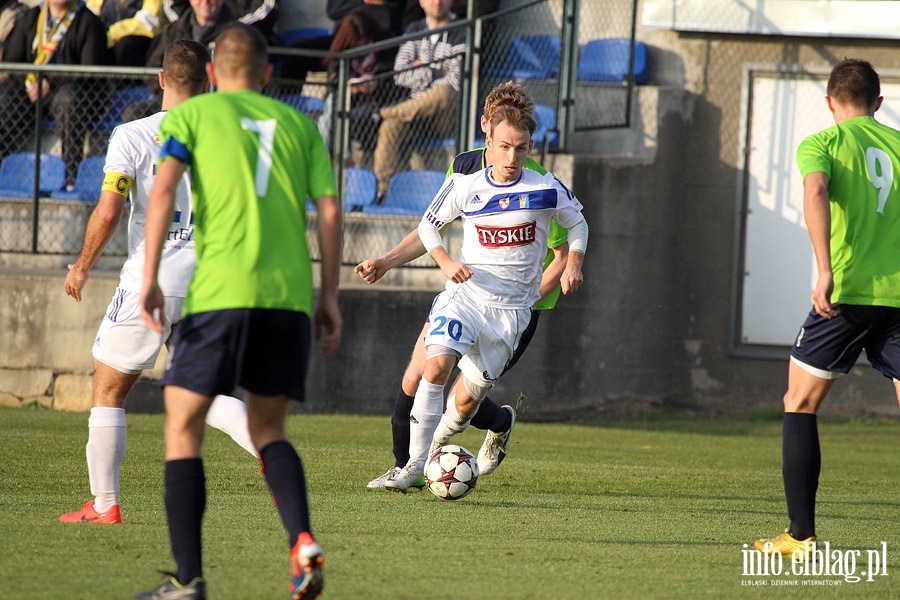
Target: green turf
(639,509)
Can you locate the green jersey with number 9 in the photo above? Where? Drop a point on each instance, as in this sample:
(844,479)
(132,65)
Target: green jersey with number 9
(253,161)
(861,159)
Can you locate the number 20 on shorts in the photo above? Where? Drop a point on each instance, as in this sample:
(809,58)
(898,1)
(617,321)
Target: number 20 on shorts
(453,328)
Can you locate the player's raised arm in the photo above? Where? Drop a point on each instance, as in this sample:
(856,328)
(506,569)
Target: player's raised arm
(409,249)
(442,210)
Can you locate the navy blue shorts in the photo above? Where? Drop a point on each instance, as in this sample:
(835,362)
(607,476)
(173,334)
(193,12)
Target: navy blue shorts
(835,344)
(264,351)
(524,340)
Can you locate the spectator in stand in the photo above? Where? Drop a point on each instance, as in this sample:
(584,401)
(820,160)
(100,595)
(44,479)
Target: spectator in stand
(387,15)
(414,11)
(262,15)
(57,32)
(202,22)
(360,28)
(430,68)
(131,26)
(10,10)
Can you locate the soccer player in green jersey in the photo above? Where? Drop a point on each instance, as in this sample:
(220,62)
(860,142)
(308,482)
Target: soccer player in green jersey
(254,161)
(497,420)
(851,204)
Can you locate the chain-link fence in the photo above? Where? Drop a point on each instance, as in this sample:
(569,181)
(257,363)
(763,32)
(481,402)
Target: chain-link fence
(392,141)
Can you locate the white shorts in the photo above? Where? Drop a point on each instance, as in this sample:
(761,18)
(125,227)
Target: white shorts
(124,342)
(483,335)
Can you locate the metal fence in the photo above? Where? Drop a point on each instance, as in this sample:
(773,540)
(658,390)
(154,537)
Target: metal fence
(540,43)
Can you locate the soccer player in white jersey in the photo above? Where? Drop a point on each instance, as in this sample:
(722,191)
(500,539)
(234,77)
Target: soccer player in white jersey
(486,306)
(124,347)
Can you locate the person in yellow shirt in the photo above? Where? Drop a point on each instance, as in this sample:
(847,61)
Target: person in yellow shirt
(130,27)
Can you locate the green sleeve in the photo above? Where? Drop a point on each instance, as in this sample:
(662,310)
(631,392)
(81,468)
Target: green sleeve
(533,165)
(559,235)
(813,155)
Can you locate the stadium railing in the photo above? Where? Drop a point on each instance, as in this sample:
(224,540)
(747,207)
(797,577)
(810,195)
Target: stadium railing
(44,225)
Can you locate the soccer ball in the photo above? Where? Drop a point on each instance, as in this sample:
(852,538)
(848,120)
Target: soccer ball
(451,472)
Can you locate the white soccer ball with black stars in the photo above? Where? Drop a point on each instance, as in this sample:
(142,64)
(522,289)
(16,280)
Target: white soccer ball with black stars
(451,472)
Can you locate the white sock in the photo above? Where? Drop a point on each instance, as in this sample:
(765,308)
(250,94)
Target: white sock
(425,415)
(230,415)
(107,439)
(451,423)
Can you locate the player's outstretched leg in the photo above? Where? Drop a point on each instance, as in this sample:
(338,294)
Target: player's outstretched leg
(400,435)
(425,415)
(493,449)
(451,424)
(229,414)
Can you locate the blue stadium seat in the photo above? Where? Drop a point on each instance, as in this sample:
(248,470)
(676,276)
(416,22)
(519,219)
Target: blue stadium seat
(17,175)
(545,116)
(302,33)
(122,98)
(529,57)
(606,60)
(409,193)
(446,142)
(305,104)
(360,189)
(546,121)
(88,181)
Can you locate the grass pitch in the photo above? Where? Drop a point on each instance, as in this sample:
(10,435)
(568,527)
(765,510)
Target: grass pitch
(638,509)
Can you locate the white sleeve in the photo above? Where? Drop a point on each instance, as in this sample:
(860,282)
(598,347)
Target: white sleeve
(430,236)
(578,235)
(443,209)
(568,214)
(119,153)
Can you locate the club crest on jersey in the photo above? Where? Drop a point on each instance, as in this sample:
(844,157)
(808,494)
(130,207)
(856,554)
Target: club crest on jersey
(523,201)
(500,237)
(503,203)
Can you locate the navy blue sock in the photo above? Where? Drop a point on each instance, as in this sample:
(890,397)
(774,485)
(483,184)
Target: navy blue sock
(400,427)
(801,464)
(185,501)
(287,481)
(491,416)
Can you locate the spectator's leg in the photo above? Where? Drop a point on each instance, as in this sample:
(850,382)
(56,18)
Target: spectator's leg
(70,111)
(390,149)
(18,117)
(439,106)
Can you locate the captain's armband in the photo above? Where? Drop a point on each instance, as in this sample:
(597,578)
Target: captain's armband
(117,183)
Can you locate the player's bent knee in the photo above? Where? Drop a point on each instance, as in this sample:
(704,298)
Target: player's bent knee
(439,363)
(476,389)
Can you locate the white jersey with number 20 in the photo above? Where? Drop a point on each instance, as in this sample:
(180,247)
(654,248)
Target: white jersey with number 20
(505,229)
